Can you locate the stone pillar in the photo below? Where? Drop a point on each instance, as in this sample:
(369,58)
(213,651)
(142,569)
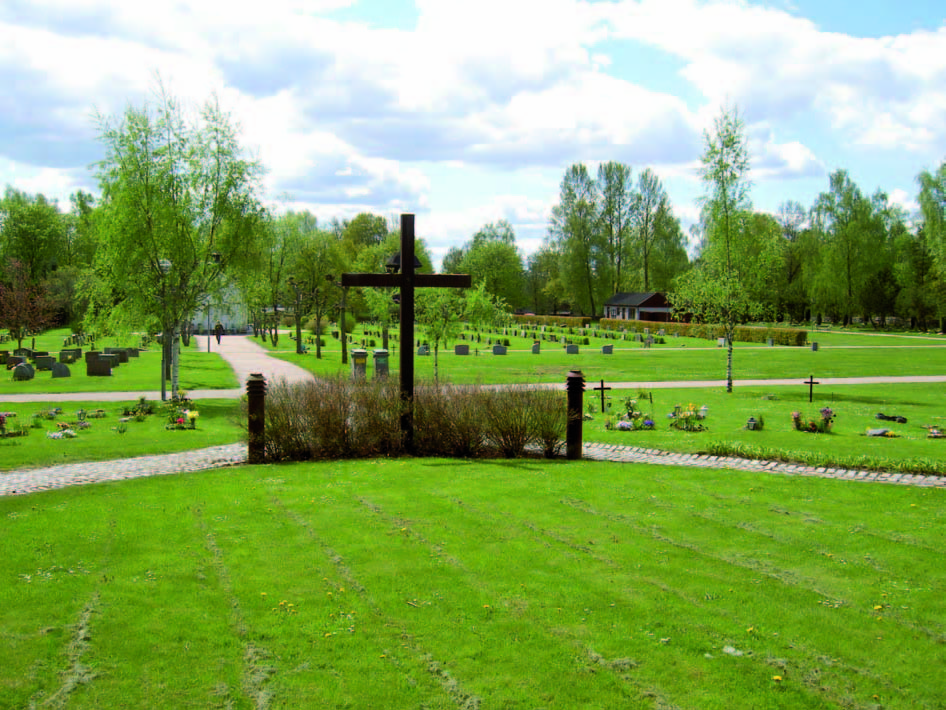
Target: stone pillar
(256,409)
(575,387)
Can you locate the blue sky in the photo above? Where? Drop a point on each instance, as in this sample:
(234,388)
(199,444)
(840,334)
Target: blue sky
(470,112)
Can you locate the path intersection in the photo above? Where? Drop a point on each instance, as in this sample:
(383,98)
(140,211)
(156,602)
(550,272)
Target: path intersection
(247,357)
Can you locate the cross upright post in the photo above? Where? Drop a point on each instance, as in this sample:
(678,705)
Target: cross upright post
(811,387)
(407,280)
(603,390)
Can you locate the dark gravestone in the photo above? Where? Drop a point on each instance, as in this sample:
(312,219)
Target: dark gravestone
(23,352)
(571,349)
(60,370)
(122,353)
(132,352)
(92,355)
(112,360)
(23,372)
(499,350)
(607,349)
(44,362)
(536,347)
(423,350)
(98,368)
(461,349)
(14,360)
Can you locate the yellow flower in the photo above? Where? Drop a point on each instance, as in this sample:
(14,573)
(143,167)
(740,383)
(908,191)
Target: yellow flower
(777,678)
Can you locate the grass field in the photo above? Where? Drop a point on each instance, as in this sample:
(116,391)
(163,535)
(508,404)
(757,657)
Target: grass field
(217,424)
(855,408)
(444,584)
(839,355)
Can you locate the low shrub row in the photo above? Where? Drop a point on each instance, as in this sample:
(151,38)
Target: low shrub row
(560,321)
(340,419)
(743,334)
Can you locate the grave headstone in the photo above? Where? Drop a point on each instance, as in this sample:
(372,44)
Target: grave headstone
(98,368)
(536,347)
(499,350)
(607,349)
(381,366)
(359,364)
(423,350)
(661,332)
(649,341)
(60,369)
(770,342)
(22,372)
(92,355)
(44,362)
(461,349)
(14,360)
(720,342)
(814,347)
(571,349)
(23,352)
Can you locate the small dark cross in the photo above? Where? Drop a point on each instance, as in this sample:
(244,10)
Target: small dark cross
(602,388)
(811,387)
(407,281)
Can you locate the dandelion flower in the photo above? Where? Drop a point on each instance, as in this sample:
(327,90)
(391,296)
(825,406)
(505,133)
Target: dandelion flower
(777,678)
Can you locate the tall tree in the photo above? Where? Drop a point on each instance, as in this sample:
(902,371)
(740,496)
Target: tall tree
(651,210)
(33,231)
(574,233)
(24,307)
(738,254)
(497,265)
(179,202)
(616,199)
(852,245)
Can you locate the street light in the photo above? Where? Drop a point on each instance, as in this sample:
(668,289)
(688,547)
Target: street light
(341,321)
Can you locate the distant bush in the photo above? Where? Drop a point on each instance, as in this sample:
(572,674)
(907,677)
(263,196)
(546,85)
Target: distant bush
(743,333)
(560,321)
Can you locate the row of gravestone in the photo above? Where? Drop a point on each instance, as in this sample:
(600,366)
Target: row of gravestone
(464,349)
(97,364)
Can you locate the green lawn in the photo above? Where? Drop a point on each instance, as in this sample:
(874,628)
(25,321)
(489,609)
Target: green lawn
(217,424)
(855,408)
(839,355)
(444,584)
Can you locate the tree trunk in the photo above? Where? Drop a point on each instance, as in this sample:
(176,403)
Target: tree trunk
(730,332)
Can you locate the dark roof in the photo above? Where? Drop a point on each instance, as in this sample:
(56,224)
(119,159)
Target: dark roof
(636,300)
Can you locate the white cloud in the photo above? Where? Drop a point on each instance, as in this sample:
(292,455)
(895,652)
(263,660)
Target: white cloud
(884,92)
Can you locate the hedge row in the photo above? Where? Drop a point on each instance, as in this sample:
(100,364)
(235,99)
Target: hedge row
(560,321)
(743,333)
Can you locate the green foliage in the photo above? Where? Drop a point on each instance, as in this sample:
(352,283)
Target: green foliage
(178,205)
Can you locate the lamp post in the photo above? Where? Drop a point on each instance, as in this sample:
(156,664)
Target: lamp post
(341,320)
(295,288)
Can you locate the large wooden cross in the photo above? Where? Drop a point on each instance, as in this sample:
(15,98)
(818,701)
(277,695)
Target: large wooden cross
(407,281)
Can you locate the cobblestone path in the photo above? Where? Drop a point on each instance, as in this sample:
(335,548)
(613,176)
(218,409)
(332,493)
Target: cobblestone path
(75,474)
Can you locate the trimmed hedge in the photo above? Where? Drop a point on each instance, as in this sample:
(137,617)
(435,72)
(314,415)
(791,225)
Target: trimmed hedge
(560,321)
(743,333)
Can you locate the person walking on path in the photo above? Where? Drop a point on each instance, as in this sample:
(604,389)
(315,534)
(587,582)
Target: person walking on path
(218,331)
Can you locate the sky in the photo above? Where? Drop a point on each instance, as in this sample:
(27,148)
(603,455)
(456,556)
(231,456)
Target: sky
(465,113)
